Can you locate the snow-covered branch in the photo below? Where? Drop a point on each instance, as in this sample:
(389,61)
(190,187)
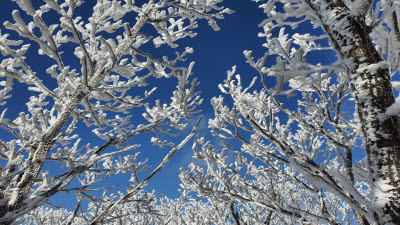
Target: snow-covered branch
(102,81)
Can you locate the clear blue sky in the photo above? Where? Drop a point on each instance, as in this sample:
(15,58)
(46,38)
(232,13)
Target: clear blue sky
(215,53)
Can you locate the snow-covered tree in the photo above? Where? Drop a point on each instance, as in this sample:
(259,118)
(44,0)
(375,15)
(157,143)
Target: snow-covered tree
(147,209)
(103,76)
(310,140)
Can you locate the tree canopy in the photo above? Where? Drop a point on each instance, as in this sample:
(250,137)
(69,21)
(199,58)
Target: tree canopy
(305,141)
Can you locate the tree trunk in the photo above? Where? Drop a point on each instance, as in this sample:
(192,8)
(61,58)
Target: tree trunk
(369,77)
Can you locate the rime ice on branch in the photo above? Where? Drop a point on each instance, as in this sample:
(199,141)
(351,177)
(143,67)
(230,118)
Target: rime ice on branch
(291,152)
(104,91)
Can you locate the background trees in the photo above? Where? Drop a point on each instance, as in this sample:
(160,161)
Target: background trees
(100,78)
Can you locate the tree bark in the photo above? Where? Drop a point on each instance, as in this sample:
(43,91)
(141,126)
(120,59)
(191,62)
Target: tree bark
(369,77)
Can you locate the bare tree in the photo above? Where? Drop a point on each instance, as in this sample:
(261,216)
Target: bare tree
(292,153)
(109,90)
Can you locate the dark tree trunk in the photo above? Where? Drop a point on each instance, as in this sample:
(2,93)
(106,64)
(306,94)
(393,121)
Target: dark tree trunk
(369,77)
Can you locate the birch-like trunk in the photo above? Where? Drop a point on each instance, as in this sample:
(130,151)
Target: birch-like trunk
(369,77)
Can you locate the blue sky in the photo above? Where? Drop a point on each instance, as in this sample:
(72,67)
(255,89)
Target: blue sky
(214,54)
